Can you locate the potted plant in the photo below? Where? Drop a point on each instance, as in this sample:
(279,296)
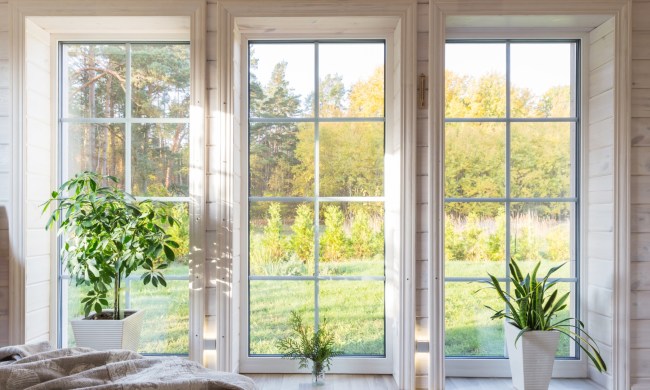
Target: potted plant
(107,236)
(532,326)
(308,345)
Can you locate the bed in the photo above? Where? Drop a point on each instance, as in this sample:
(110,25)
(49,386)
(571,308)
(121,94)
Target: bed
(38,366)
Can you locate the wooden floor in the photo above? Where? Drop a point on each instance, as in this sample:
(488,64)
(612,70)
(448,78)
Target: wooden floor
(386,382)
(332,381)
(506,384)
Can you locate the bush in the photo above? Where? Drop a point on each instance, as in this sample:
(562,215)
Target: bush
(362,236)
(333,243)
(273,243)
(302,242)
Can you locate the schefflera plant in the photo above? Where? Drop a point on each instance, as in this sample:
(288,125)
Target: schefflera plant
(108,235)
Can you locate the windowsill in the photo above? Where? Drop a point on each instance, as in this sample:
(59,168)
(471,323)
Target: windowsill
(332,381)
(506,383)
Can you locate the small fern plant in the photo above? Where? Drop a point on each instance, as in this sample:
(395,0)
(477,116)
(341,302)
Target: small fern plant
(307,345)
(535,305)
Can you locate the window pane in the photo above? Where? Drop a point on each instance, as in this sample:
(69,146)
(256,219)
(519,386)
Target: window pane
(281,238)
(541,159)
(475,157)
(351,80)
(351,238)
(94,80)
(355,313)
(566,347)
(271,302)
(475,239)
(541,80)
(542,232)
(166,325)
(469,331)
(160,159)
(160,77)
(281,159)
(475,88)
(97,147)
(281,81)
(352,159)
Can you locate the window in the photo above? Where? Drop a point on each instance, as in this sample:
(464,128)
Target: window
(124,111)
(512,123)
(316,192)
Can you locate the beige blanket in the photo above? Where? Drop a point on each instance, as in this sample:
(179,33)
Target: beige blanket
(38,366)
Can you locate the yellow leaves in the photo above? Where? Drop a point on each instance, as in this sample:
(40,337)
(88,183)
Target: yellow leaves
(367,96)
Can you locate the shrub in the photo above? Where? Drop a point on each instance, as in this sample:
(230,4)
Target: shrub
(362,235)
(302,242)
(333,243)
(272,242)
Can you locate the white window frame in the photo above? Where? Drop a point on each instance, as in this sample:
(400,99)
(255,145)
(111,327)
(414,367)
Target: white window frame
(347,364)
(61,20)
(329,19)
(563,367)
(618,15)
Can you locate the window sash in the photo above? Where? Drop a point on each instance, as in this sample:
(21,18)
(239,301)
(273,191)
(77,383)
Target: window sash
(127,120)
(317,199)
(507,200)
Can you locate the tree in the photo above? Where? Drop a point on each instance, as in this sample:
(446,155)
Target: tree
(272,145)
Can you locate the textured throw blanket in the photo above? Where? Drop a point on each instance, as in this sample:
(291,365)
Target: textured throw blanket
(38,366)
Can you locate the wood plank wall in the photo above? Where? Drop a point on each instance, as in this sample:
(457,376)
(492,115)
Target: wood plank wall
(640,197)
(37,182)
(599,248)
(5,172)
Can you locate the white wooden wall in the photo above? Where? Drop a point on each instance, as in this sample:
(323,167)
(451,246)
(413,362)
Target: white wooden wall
(599,248)
(640,197)
(5,172)
(37,183)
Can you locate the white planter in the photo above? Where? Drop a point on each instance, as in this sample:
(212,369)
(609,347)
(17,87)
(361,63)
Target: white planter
(531,360)
(109,334)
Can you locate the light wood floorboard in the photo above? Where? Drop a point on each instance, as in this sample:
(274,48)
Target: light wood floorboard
(506,384)
(386,382)
(332,381)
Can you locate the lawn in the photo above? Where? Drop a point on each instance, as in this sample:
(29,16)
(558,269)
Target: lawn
(354,310)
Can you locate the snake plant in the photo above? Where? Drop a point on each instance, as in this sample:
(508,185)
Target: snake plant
(534,303)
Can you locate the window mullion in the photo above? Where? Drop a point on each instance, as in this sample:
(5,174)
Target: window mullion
(507,181)
(316,187)
(127,126)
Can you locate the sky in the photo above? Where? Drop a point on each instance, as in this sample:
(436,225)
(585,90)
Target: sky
(353,62)
(537,66)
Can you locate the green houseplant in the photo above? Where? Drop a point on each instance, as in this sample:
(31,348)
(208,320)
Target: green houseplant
(532,312)
(307,345)
(108,235)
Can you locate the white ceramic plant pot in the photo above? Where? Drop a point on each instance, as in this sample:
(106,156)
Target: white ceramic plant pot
(531,360)
(109,334)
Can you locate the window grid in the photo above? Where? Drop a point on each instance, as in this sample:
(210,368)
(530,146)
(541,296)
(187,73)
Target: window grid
(316,199)
(507,200)
(127,120)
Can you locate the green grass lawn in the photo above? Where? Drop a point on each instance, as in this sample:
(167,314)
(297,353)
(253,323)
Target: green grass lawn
(354,310)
